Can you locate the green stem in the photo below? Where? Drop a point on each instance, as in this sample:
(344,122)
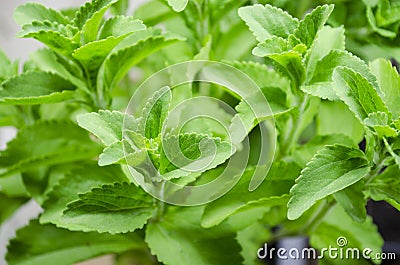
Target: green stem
(295,131)
(318,216)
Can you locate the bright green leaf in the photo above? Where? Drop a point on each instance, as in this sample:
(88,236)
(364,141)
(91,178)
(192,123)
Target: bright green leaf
(312,23)
(89,17)
(304,153)
(106,125)
(117,64)
(389,82)
(271,46)
(119,26)
(326,40)
(372,22)
(178,5)
(29,12)
(191,152)
(268,21)
(379,121)
(331,117)
(57,37)
(332,169)
(7,68)
(358,94)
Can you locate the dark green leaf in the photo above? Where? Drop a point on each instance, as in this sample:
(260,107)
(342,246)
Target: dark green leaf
(180,240)
(38,244)
(36,87)
(42,144)
(76,180)
(263,198)
(353,201)
(107,209)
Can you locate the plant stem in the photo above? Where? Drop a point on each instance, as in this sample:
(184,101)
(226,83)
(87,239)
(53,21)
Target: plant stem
(318,216)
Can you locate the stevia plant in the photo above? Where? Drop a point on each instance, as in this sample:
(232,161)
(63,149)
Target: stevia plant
(86,157)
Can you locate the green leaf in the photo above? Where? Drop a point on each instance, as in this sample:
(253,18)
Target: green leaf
(358,94)
(80,179)
(312,23)
(191,152)
(47,61)
(389,82)
(119,26)
(92,55)
(58,37)
(29,12)
(270,46)
(117,64)
(121,152)
(263,198)
(385,186)
(178,5)
(107,209)
(154,113)
(262,75)
(304,153)
(353,201)
(291,65)
(387,13)
(332,169)
(321,83)
(250,240)
(42,144)
(37,244)
(89,17)
(337,224)
(327,39)
(180,240)
(106,125)
(372,22)
(379,121)
(268,21)
(331,117)
(7,68)
(36,87)
(9,205)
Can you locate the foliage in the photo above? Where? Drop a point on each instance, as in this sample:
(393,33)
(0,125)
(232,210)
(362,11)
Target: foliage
(78,153)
